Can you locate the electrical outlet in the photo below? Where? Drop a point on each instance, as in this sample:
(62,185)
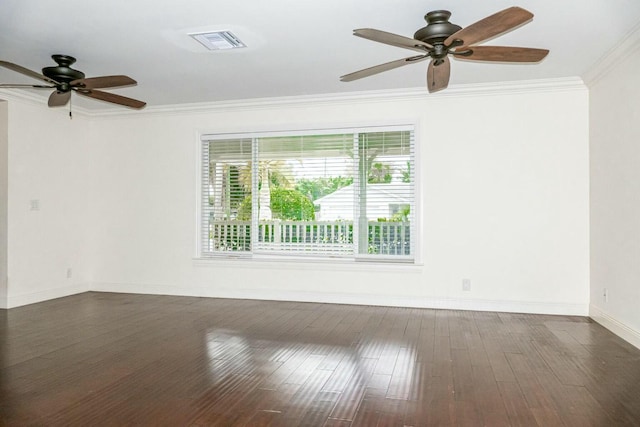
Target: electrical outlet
(69,273)
(605,294)
(466,284)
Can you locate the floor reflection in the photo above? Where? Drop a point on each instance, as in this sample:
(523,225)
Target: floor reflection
(373,363)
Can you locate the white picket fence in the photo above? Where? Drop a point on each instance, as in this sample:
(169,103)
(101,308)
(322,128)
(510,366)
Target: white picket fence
(334,237)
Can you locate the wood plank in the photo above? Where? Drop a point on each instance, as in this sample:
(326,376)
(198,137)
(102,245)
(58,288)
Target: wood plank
(517,409)
(536,394)
(118,359)
(488,398)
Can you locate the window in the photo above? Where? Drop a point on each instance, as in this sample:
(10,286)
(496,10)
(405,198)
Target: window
(324,193)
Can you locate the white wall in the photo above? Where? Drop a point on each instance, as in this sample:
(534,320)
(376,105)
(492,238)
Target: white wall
(49,159)
(4,188)
(615,192)
(503,180)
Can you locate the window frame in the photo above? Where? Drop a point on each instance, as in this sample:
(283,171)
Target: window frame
(416,217)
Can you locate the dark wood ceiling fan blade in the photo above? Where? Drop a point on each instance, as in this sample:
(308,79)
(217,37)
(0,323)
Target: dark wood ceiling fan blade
(58,99)
(23,86)
(491,26)
(382,67)
(505,54)
(27,72)
(113,98)
(104,82)
(438,75)
(392,39)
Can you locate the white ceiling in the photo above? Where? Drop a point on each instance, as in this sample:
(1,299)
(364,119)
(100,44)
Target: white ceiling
(295,47)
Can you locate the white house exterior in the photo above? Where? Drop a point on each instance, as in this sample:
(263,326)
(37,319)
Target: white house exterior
(383,200)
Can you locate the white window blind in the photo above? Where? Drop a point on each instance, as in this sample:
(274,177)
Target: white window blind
(337,194)
(226,187)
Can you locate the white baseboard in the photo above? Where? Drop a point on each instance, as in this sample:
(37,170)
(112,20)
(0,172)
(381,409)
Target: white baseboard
(507,306)
(13,301)
(627,333)
(3,292)
(355,299)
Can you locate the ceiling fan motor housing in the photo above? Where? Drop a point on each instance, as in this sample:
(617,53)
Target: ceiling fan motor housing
(438,28)
(63,73)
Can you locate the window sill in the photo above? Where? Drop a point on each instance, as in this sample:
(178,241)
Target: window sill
(296,263)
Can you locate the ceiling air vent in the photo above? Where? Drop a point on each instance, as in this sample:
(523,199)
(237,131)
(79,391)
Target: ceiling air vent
(219,40)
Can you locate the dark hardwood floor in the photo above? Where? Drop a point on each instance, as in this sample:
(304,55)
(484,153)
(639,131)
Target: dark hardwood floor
(117,359)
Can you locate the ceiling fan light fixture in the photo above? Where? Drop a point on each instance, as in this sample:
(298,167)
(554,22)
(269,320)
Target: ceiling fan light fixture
(219,40)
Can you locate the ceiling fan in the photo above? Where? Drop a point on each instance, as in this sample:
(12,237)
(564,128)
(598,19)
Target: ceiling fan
(440,38)
(65,79)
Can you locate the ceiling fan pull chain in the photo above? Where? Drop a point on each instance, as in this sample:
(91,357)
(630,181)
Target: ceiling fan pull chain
(70,114)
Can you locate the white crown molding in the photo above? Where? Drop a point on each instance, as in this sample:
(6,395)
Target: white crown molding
(21,95)
(629,46)
(411,94)
(30,98)
(624,331)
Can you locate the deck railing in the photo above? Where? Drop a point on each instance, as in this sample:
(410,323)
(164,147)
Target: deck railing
(336,237)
